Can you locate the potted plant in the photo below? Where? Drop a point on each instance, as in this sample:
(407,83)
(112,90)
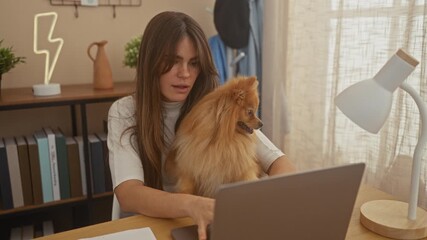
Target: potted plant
(131,52)
(8,60)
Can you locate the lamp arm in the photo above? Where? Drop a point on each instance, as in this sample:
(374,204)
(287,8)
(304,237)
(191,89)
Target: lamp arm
(422,140)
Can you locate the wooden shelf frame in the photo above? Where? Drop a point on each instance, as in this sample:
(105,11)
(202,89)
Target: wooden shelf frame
(78,95)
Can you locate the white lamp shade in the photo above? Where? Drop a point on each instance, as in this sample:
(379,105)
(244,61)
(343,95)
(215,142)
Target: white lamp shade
(366,103)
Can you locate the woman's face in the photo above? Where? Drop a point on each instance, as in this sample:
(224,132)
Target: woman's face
(176,84)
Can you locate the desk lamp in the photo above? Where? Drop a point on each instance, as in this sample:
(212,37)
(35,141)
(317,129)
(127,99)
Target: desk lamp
(368,104)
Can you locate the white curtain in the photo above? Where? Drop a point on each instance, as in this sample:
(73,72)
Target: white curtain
(315,49)
(276,122)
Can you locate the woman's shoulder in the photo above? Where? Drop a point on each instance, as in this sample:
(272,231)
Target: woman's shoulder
(123,107)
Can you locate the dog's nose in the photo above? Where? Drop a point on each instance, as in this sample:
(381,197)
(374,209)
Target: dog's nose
(260,124)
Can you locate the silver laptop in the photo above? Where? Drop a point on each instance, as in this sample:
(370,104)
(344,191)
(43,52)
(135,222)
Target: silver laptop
(315,204)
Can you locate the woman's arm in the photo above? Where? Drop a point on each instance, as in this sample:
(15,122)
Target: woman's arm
(281,165)
(135,197)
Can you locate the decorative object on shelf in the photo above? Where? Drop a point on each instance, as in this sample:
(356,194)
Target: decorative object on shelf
(47,89)
(131,52)
(368,104)
(8,60)
(102,74)
(95,3)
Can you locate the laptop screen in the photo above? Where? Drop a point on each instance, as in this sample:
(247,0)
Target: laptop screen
(315,204)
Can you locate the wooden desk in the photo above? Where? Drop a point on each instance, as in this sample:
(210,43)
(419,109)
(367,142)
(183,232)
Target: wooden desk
(162,227)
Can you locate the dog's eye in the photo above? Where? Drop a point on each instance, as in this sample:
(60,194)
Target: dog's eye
(250,112)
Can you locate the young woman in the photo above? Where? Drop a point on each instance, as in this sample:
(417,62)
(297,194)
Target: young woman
(175,70)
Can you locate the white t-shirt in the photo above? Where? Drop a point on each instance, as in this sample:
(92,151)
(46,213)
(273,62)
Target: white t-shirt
(124,160)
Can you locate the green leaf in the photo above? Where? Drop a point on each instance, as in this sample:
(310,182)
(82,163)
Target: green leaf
(131,52)
(8,60)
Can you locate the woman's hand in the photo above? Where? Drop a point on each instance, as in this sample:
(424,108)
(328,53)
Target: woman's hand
(135,197)
(201,210)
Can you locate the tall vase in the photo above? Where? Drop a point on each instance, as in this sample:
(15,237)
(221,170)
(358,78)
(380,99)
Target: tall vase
(102,74)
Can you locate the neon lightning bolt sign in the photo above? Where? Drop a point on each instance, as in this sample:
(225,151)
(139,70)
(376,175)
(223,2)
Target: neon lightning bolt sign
(48,68)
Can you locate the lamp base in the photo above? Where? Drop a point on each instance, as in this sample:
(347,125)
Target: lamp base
(389,218)
(46,89)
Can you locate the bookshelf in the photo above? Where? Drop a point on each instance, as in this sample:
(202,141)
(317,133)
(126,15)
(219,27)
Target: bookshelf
(76,97)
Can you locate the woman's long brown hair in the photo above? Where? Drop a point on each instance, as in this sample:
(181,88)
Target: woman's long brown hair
(156,57)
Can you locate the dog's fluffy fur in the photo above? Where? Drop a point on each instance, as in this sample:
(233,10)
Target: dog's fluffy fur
(215,143)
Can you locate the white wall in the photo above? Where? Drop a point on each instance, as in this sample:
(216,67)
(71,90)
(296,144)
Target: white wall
(74,66)
(93,24)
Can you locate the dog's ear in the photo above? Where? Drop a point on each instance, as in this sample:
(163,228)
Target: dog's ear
(239,95)
(252,81)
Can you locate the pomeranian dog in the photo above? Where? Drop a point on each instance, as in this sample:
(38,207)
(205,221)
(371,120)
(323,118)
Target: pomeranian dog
(215,143)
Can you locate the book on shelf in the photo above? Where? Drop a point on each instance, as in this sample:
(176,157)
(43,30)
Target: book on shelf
(5,185)
(24,165)
(97,165)
(27,232)
(74,167)
(63,171)
(14,172)
(108,182)
(48,228)
(45,168)
(36,181)
(15,233)
(53,163)
(80,144)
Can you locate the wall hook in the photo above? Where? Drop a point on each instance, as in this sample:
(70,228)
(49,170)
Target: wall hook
(76,10)
(239,57)
(114,11)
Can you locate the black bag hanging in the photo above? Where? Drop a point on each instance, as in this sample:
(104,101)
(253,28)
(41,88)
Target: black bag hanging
(231,19)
